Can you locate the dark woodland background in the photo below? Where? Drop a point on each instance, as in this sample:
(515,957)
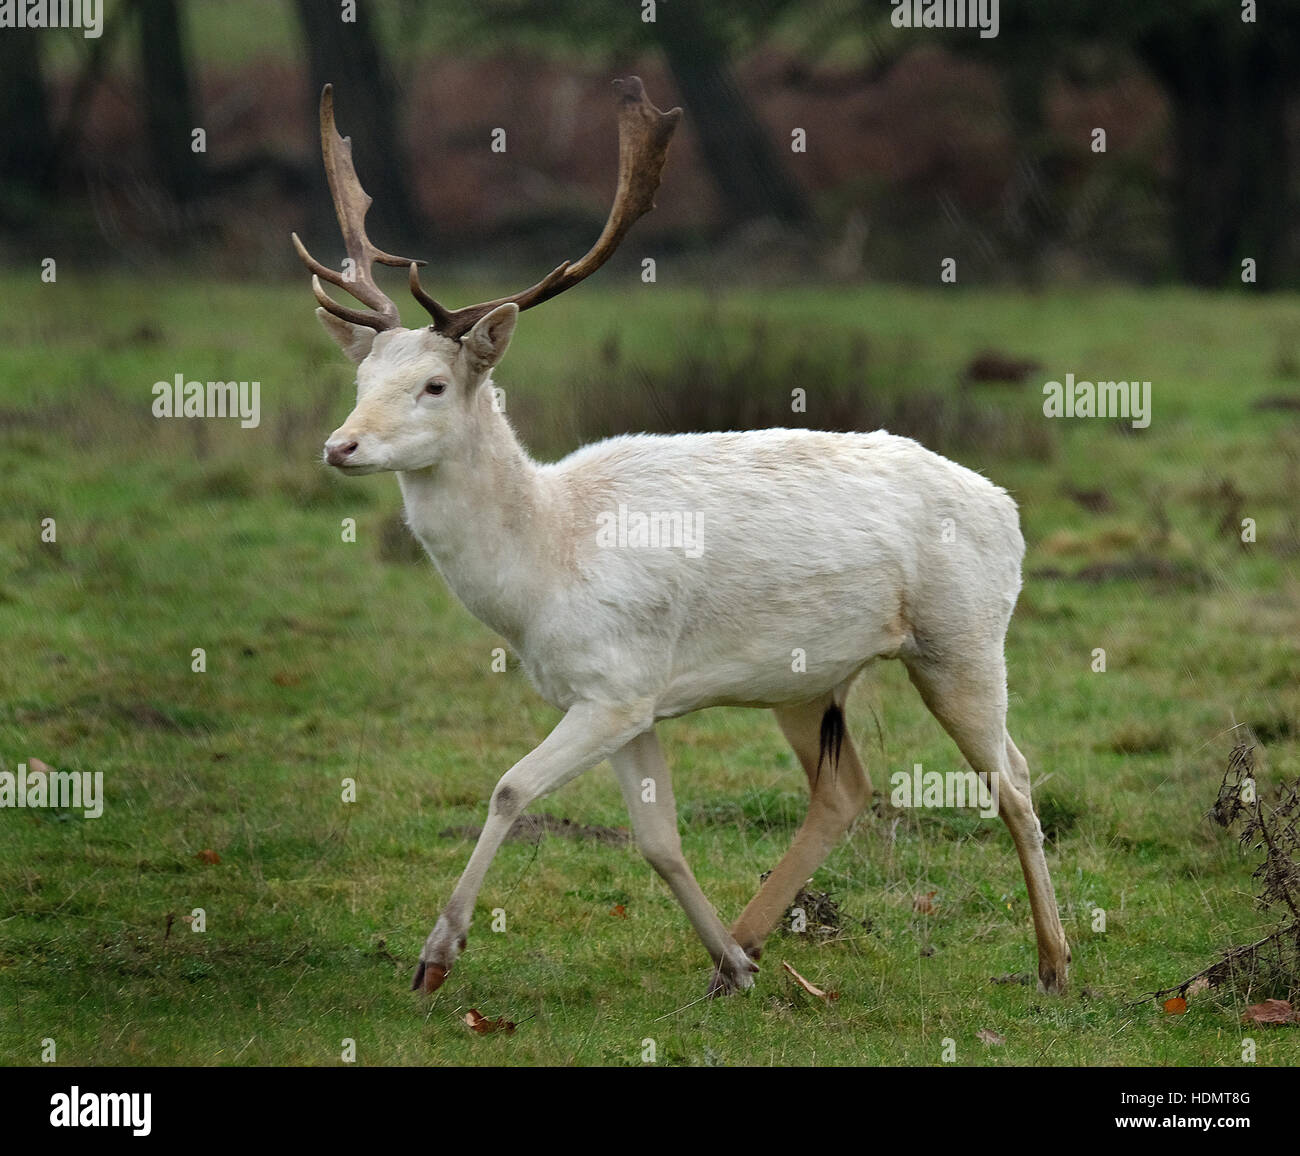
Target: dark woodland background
(915,138)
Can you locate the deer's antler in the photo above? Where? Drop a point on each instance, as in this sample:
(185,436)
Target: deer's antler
(643,135)
(351,203)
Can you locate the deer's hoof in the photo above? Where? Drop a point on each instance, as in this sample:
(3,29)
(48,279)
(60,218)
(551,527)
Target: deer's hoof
(429,977)
(733,974)
(1054,969)
(1051,981)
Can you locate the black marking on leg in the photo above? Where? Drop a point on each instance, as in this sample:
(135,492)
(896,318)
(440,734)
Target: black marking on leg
(418,981)
(832,739)
(503,801)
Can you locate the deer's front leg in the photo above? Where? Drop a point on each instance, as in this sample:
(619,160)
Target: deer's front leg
(647,789)
(586,734)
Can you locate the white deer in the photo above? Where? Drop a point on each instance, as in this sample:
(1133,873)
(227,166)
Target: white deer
(817,553)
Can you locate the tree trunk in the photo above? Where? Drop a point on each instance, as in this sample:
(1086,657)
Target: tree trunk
(745,167)
(1228,102)
(169,99)
(26,142)
(1264,230)
(1031,212)
(348,56)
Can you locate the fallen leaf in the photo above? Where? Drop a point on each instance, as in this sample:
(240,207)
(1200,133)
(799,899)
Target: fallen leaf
(990,1037)
(207,855)
(36,767)
(810,988)
(1198,985)
(1271,1012)
(619,910)
(1176,1006)
(924,904)
(284,678)
(484,1026)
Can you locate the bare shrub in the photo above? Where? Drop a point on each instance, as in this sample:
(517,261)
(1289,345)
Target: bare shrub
(1270,966)
(741,377)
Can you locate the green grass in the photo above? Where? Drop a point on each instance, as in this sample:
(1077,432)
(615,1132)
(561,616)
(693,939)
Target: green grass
(326,662)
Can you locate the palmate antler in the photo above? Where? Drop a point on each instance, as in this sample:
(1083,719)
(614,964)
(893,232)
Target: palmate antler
(643,136)
(351,203)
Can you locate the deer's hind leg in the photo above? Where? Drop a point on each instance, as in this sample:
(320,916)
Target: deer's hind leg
(968,695)
(839,790)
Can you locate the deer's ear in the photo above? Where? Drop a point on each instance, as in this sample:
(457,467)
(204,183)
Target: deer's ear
(354,340)
(486,344)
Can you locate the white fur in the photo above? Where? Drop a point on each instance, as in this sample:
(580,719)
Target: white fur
(827,543)
(840,548)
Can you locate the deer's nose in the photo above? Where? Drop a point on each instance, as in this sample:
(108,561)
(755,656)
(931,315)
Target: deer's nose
(337,453)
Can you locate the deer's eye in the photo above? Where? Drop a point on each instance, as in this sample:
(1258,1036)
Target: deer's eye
(435,387)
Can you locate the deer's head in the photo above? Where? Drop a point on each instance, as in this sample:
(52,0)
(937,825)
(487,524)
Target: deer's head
(420,391)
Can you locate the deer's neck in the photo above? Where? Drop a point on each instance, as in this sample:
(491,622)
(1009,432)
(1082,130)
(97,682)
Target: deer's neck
(482,514)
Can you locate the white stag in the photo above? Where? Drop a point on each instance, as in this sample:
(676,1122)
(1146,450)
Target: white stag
(840,548)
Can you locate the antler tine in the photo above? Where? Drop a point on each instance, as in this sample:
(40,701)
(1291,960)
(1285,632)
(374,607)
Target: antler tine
(351,203)
(643,136)
(442,319)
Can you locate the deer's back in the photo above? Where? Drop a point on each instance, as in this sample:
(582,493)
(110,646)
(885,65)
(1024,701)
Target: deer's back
(755,567)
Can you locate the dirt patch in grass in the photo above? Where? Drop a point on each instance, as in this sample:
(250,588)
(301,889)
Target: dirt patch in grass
(1141,739)
(131,715)
(1284,402)
(531,828)
(996,367)
(1094,501)
(1139,568)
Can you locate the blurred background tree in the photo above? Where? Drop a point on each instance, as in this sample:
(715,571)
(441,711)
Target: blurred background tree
(920,140)
(26,137)
(167,93)
(348,56)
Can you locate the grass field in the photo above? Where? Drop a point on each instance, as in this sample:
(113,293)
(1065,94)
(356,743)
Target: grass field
(328,660)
